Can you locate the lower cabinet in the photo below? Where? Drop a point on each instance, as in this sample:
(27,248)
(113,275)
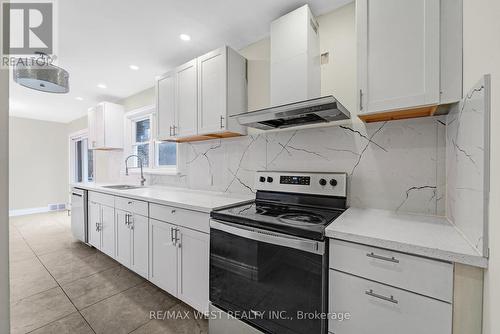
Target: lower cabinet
(378,308)
(102,228)
(193,268)
(179,262)
(163,256)
(132,238)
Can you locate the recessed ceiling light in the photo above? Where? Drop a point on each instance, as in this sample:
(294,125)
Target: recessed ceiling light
(185,37)
(79,98)
(101,85)
(134,67)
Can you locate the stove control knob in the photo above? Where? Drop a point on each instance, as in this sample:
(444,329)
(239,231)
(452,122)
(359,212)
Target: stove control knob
(333,182)
(322,182)
(269,179)
(262,179)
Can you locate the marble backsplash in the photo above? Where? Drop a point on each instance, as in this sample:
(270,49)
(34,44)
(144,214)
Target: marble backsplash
(467,164)
(398,165)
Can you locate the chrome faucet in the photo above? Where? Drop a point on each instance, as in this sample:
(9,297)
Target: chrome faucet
(143,180)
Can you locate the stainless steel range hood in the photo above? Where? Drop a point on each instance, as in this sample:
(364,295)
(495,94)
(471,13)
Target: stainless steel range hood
(320,110)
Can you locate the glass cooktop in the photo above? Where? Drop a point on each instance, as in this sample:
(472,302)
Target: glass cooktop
(302,221)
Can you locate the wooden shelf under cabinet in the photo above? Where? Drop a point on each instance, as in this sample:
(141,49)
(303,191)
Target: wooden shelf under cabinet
(400,114)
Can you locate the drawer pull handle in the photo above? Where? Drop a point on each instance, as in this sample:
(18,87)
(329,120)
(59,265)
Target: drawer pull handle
(173,211)
(376,295)
(384,258)
(130,202)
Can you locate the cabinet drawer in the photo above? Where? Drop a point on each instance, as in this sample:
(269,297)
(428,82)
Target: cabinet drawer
(378,308)
(421,275)
(191,219)
(132,205)
(104,199)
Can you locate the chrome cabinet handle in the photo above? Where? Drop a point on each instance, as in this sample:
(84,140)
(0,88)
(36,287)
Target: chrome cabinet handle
(174,132)
(376,295)
(173,211)
(97,227)
(170,131)
(130,202)
(221,122)
(177,243)
(360,100)
(383,258)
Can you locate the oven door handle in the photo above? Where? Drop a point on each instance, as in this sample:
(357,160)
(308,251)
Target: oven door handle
(280,239)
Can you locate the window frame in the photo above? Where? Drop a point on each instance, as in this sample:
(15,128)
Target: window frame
(153,167)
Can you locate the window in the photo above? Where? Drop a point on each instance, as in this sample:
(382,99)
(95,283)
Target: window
(142,138)
(154,154)
(82,159)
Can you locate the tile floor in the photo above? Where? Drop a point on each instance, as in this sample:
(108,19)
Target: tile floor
(60,285)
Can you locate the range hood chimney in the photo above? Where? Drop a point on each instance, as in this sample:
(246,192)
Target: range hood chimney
(295,77)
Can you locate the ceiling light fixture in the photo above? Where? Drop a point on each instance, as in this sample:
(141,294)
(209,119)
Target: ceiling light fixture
(101,85)
(134,67)
(79,98)
(185,37)
(42,76)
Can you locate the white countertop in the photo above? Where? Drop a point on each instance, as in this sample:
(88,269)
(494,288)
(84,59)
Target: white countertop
(429,236)
(198,200)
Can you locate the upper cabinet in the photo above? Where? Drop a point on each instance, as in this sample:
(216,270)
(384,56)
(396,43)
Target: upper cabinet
(105,124)
(195,100)
(409,57)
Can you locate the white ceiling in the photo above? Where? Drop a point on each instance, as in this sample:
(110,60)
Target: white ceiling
(98,40)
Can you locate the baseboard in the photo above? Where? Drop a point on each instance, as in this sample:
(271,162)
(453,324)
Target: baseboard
(29,211)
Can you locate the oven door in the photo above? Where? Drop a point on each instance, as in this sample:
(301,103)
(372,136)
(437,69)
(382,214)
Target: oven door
(275,282)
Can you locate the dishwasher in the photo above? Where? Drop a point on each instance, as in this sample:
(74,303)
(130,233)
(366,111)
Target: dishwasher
(79,226)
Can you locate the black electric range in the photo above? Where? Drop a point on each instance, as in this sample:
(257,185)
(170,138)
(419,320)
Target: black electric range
(299,215)
(269,257)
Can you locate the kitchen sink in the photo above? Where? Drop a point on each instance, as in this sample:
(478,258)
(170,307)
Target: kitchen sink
(123,187)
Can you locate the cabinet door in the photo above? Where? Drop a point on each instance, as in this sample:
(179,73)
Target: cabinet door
(108,231)
(94,221)
(212,89)
(186,105)
(193,267)
(398,54)
(140,241)
(123,238)
(99,126)
(378,308)
(91,124)
(163,256)
(165,104)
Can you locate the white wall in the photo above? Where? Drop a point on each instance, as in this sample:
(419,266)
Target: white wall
(4,199)
(38,161)
(482,55)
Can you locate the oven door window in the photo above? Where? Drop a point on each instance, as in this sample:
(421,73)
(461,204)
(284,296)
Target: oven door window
(267,284)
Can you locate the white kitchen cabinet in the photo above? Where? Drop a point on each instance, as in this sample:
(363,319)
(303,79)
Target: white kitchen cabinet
(108,231)
(193,264)
(140,245)
(222,91)
(409,57)
(102,228)
(94,221)
(163,256)
(132,240)
(186,108)
(195,100)
(123,238)
(105,124)
(378,308)
(165,104)
(179,262)
(177,102)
